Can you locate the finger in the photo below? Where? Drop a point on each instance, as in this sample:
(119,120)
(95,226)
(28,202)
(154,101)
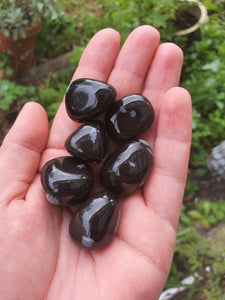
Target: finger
(163,191)
(96,63)
(133,60)
(20,151)
(165,69)
(163,74)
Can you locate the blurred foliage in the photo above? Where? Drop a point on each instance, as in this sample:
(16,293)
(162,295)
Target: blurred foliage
(11,93)
(16,15)
(49,94)
(125,15)
(57,37)
(194,254)
(203,75)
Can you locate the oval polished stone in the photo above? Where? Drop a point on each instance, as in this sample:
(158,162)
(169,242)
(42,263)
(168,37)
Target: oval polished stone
(127,168)
(88,142)
(87,98)
(129,117)
(66,180)
(95,222)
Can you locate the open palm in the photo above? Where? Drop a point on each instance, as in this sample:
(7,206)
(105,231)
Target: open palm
(38,258)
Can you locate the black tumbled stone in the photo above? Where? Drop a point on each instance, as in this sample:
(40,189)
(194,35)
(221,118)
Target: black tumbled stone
(95,222)
(66,180)
(88,142)
(87,98)
(126,169)
(129,117)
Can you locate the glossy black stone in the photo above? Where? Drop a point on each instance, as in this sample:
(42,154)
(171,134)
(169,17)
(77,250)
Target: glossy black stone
(87,98)
(126,169)
(88,142)
(129,117)
(95,222)
(66,180)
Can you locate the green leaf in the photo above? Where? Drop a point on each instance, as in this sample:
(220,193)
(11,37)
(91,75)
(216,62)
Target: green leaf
(213,66)
(76,54)
(5,31)
(219,265)
(212,220)
(206,207)
(22,32)
(195,215)
(40,6)
(209,5)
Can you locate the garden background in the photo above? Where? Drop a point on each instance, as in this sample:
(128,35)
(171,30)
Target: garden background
(199,251)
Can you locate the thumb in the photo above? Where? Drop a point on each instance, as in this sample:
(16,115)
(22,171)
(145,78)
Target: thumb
(20,151)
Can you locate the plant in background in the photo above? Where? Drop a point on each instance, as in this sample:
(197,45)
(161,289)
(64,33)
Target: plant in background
(20,23)
(83,19)
(125,15)
(203,75)
(57,37)
(4,65)
(195,255)
(207,213)
(190,188)
(16,15)
(13,94)
(51,93)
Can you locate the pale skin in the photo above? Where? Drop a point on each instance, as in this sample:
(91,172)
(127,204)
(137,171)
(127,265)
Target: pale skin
(38,258)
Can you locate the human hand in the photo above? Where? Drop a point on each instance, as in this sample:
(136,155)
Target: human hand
(38,258)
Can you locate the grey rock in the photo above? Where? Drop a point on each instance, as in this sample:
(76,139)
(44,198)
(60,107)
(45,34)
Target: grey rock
(216,162)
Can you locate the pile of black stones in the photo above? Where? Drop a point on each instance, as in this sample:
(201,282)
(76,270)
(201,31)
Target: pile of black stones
(68,180)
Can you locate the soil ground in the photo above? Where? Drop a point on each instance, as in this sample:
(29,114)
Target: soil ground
(209,189)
